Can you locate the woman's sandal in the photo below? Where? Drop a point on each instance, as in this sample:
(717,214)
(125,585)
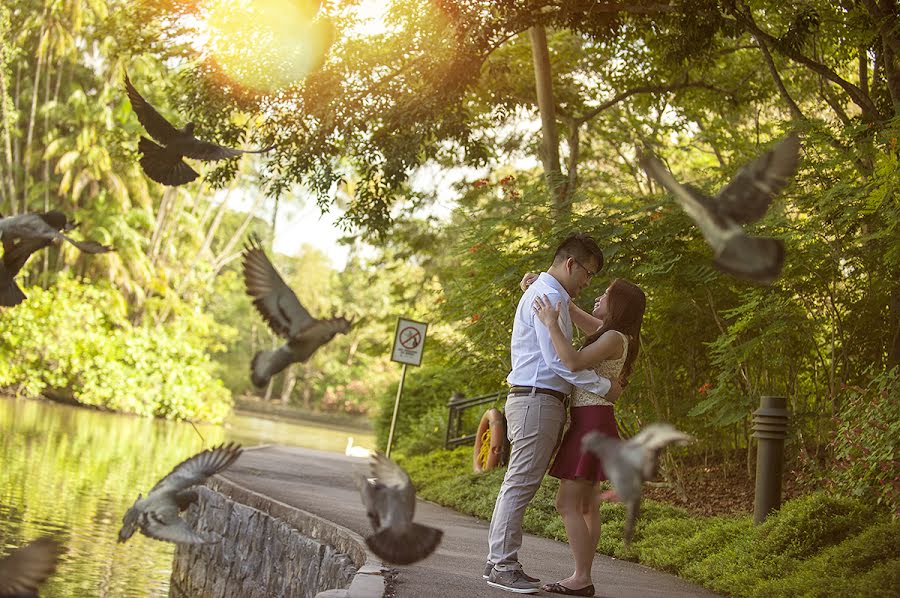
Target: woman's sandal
(558,588)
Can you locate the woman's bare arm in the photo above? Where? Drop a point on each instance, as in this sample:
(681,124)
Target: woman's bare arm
(587,323)
(606,347)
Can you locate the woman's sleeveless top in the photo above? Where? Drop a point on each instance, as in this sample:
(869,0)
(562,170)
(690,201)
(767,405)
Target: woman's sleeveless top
(610,369)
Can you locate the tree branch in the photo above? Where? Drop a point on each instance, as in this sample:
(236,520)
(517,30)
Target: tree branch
(776,77)
(643,89)
(856,94)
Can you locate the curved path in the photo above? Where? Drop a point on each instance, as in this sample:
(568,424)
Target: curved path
(320,483)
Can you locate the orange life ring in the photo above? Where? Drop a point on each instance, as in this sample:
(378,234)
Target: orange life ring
(494,420)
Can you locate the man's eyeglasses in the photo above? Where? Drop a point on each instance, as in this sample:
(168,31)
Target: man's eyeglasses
(590,274)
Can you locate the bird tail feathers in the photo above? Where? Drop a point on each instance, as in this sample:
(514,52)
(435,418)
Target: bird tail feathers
(402,547)
(163,166)
(10,293)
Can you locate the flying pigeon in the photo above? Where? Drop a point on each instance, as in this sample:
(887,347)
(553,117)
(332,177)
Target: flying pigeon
(25,569)
(157,516)
(632,462)
(163,163)
(26,234)
(390,500)
(281,309)
(743,201)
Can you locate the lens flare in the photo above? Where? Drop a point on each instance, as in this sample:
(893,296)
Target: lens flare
(265,44)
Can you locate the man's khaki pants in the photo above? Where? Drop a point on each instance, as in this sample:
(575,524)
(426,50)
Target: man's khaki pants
(533,426)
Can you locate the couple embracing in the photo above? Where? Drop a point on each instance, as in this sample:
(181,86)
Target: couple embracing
(547,374)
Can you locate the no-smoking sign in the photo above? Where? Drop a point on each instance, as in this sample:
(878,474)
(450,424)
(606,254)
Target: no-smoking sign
(409,341)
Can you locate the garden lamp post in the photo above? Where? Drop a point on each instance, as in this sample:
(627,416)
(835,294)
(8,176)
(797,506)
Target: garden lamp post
(770,423)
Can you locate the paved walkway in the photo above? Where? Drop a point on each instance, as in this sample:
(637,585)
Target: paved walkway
(320,483)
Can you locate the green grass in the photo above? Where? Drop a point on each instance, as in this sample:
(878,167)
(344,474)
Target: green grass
(816,545)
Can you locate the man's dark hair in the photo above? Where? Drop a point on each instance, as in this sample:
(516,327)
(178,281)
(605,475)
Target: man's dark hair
(581,247)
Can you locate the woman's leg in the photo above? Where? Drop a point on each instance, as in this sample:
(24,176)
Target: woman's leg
(592,513)
(570,503)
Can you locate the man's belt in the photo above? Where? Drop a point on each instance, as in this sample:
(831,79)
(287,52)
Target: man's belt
(527,390)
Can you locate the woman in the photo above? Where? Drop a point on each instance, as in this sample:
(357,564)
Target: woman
(611,351)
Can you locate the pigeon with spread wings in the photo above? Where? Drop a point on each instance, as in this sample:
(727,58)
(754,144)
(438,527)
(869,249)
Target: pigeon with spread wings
(631,463)
(163,163)
(157,515)
(25,234)
(743,201)
(390,501)
(280,308)
(25,569)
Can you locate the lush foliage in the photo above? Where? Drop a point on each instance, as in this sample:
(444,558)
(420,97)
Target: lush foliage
(96,357)
(817,545)
(867,441)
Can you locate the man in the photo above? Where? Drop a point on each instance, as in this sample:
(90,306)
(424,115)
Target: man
(536,405)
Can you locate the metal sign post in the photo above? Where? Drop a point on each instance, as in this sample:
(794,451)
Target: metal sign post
(409,343)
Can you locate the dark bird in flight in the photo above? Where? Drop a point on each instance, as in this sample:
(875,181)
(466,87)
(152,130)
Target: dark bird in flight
(163,163)
(26,234)
(390,501)
(157,516)
(632,462)
(280,308)
(25,569)
(743,201)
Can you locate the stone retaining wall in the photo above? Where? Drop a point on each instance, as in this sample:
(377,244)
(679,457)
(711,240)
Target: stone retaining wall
(268,549)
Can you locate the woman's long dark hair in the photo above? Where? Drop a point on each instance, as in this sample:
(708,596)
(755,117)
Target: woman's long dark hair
(625,303)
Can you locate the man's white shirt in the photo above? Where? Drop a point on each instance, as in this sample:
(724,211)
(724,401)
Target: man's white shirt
(534,359)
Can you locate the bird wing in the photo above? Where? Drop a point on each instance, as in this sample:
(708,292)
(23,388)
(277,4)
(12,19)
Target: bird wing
(275,301)
(172,529)
(388,473)
(16,253)
(694,204)
(658,436)
(26,568)
(157,126)
(87,246)
(747,197)
(649,442)
(394,493)
(195,470)
(205,150)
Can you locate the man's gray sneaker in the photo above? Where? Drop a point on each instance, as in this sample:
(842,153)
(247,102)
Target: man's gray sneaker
(489,566)
(512,581)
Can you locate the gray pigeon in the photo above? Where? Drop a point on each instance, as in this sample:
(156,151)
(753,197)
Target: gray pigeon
(25,569)
(630,463)
(390,501)
(157,516)
(743,201)
(281,309)
(26,234)
(163,163)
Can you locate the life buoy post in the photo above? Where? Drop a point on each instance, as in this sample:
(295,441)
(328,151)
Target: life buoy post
(490,441)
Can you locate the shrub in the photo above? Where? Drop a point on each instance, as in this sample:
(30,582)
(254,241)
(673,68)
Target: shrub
(94,355)
(867,443)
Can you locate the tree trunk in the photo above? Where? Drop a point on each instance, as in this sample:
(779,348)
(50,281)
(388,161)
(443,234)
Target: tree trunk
(29,137)
(290,380)
(543,81)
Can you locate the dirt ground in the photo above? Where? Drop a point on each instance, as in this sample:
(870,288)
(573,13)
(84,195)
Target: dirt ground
(722,488)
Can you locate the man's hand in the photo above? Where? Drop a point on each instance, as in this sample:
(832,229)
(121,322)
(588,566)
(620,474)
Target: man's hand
(615,389)
(526,281)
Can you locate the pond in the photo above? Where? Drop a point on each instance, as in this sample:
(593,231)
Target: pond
(73,472)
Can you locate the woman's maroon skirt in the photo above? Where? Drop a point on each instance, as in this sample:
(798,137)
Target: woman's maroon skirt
(571,463)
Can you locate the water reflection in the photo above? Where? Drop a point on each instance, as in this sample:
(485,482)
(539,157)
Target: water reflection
(73,473)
